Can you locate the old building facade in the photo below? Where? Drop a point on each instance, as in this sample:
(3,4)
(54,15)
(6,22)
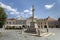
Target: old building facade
(43,23)
(15,22)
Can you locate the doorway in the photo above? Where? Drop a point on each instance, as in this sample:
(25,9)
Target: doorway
(45,26)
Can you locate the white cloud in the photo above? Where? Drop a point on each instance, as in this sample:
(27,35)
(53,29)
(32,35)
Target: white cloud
(14,12)
(9,8)
(26,11)
(49,6)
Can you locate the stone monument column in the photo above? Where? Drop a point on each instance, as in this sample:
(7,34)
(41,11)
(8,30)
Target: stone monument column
(32,13)
(33,24)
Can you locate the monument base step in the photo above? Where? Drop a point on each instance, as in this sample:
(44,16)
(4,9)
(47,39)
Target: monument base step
(46,34)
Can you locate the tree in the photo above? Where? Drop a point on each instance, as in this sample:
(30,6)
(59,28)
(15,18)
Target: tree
(3,17)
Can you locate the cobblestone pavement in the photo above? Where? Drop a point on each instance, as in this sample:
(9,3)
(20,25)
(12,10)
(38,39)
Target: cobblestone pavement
(16,35)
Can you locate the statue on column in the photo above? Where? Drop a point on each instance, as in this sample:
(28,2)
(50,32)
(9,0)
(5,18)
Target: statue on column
(33,24)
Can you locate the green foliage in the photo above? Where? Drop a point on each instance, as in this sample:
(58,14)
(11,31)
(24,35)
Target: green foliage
(3,17)
(8,27)
(13,27)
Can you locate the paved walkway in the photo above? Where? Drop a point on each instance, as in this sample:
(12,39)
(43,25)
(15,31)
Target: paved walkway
(16,35)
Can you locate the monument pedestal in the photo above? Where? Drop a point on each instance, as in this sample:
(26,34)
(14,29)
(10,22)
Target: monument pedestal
(33,26)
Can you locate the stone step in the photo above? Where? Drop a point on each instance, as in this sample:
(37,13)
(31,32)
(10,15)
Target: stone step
(47,34)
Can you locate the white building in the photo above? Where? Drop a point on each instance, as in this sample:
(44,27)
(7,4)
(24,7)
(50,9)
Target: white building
(16,22)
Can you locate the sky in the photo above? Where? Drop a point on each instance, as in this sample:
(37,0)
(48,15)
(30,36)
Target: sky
(43,8)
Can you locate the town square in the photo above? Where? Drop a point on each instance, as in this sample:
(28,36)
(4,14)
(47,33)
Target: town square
(29,20)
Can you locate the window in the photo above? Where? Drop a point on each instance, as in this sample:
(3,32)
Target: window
(10,22)
(45,22)
(41,22)
(13,22)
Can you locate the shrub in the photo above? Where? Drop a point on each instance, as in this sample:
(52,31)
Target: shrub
(8,27)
